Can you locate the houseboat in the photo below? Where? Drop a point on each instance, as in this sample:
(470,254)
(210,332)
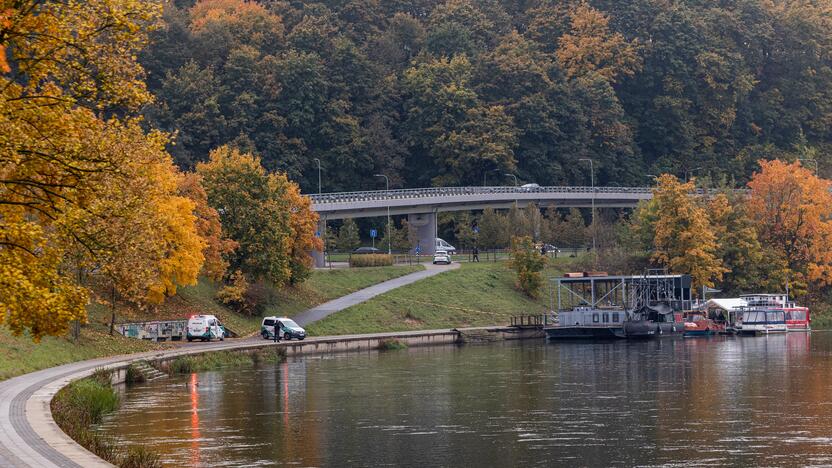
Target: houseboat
(594,305)
(586,322)
(762,321)
(797,317)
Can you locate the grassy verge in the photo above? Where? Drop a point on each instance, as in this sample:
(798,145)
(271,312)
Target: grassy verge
(476,294)
(84,403)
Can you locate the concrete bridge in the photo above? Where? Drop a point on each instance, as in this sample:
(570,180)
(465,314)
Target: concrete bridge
(421,205)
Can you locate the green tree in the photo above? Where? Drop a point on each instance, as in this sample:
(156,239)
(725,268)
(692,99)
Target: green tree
(494,230)
(254,213)
(348,237)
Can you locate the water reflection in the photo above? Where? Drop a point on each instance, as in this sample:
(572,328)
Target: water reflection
(721,401)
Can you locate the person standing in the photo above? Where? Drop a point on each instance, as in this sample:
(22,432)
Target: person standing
(476,253)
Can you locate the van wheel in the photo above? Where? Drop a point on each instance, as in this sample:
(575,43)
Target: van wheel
(190,339)
(222,338)
(287,336)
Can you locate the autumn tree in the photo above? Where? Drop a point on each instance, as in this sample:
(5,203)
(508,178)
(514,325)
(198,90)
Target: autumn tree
(791,208)
(683,238)
(265,214)
(738,244)
(81,194)
(217,245)
(590,47)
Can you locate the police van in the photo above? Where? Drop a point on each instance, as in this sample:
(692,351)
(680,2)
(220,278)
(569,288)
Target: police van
(205,328)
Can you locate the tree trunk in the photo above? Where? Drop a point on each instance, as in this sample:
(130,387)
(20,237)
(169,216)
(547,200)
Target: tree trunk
(113,317)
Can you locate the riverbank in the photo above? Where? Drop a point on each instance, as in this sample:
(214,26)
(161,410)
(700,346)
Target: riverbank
(29,435)
(21,355)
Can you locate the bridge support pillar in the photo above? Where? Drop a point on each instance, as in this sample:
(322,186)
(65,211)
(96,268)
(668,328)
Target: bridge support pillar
(320,255)
(425,226)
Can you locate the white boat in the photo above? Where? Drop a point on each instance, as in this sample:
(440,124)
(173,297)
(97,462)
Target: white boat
(762,321)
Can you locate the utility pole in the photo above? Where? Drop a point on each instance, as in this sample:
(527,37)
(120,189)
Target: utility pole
(484,174)
(592,181)
(389,231)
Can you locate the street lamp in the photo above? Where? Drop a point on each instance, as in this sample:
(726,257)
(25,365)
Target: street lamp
(515,178)
(691,171)
(389,232)
(813,161)
(484,174)
(592,181)
(319,175)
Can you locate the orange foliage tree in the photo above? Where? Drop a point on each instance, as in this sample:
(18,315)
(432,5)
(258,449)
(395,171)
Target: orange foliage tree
(208,225)
(793,210)
(590,47)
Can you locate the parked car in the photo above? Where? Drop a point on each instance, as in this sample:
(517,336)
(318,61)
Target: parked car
(442,245)
(204,328)
(286,329)
(551,248)
(442,256)
(366,250)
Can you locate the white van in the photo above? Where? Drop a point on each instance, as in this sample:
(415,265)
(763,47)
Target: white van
(287,329)
(442,245)
(204,328)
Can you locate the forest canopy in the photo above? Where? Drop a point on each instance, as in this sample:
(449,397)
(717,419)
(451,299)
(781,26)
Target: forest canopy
(431,92)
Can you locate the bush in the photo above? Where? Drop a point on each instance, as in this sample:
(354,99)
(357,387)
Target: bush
(528,263)
(133,375)
(247,298)
(140,457)
(391,345)
(371,260)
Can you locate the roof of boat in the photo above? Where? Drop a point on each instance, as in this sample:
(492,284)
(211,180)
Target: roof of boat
(726,303)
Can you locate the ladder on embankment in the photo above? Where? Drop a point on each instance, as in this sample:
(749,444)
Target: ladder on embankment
(148,372)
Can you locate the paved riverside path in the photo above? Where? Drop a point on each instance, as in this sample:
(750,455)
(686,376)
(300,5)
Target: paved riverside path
(325,310)
(29,436)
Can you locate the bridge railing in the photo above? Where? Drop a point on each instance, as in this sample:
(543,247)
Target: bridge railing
(428,192)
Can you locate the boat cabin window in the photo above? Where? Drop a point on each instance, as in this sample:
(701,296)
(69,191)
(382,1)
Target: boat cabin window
(774,316)
(796,315)
(606,317)
(615,317)
(594,318)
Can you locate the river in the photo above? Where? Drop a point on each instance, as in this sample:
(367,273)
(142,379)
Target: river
(673,401)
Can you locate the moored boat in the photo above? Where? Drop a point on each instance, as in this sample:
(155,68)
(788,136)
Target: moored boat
(588,323)
(762,321)
(698,324)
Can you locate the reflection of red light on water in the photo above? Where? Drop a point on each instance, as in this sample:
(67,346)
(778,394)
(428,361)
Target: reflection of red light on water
(286,394)
(194,421)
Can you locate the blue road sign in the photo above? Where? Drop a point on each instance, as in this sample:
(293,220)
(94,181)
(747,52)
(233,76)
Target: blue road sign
(476,229)
(317,233)
(373,233)
(418,249)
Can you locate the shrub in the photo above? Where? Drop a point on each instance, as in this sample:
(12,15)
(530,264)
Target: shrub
(391,345)
(528,263)
(371,260)
(133,375)
(140,457)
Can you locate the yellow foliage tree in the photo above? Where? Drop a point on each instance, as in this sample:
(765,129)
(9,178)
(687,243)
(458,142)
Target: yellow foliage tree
(79,193)
(683,237)
(793,210)
(590,47)
(208,226)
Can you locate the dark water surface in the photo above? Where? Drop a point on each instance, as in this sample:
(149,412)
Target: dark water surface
(763,401)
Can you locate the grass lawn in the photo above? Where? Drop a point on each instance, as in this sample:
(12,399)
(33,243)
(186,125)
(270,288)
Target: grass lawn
(19,355)
(476,294)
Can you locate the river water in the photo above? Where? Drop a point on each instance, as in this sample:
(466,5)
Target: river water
(764,401)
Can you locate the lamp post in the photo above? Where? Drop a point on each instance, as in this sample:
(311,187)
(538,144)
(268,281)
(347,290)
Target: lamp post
(691,171)
(389,232)
(515,178)
(319,175)
(592,181)
(813,161)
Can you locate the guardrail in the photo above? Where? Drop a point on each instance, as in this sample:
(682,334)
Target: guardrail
(344,197)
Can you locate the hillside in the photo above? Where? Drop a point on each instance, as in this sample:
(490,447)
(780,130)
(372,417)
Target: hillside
(449,92)
(477,294)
